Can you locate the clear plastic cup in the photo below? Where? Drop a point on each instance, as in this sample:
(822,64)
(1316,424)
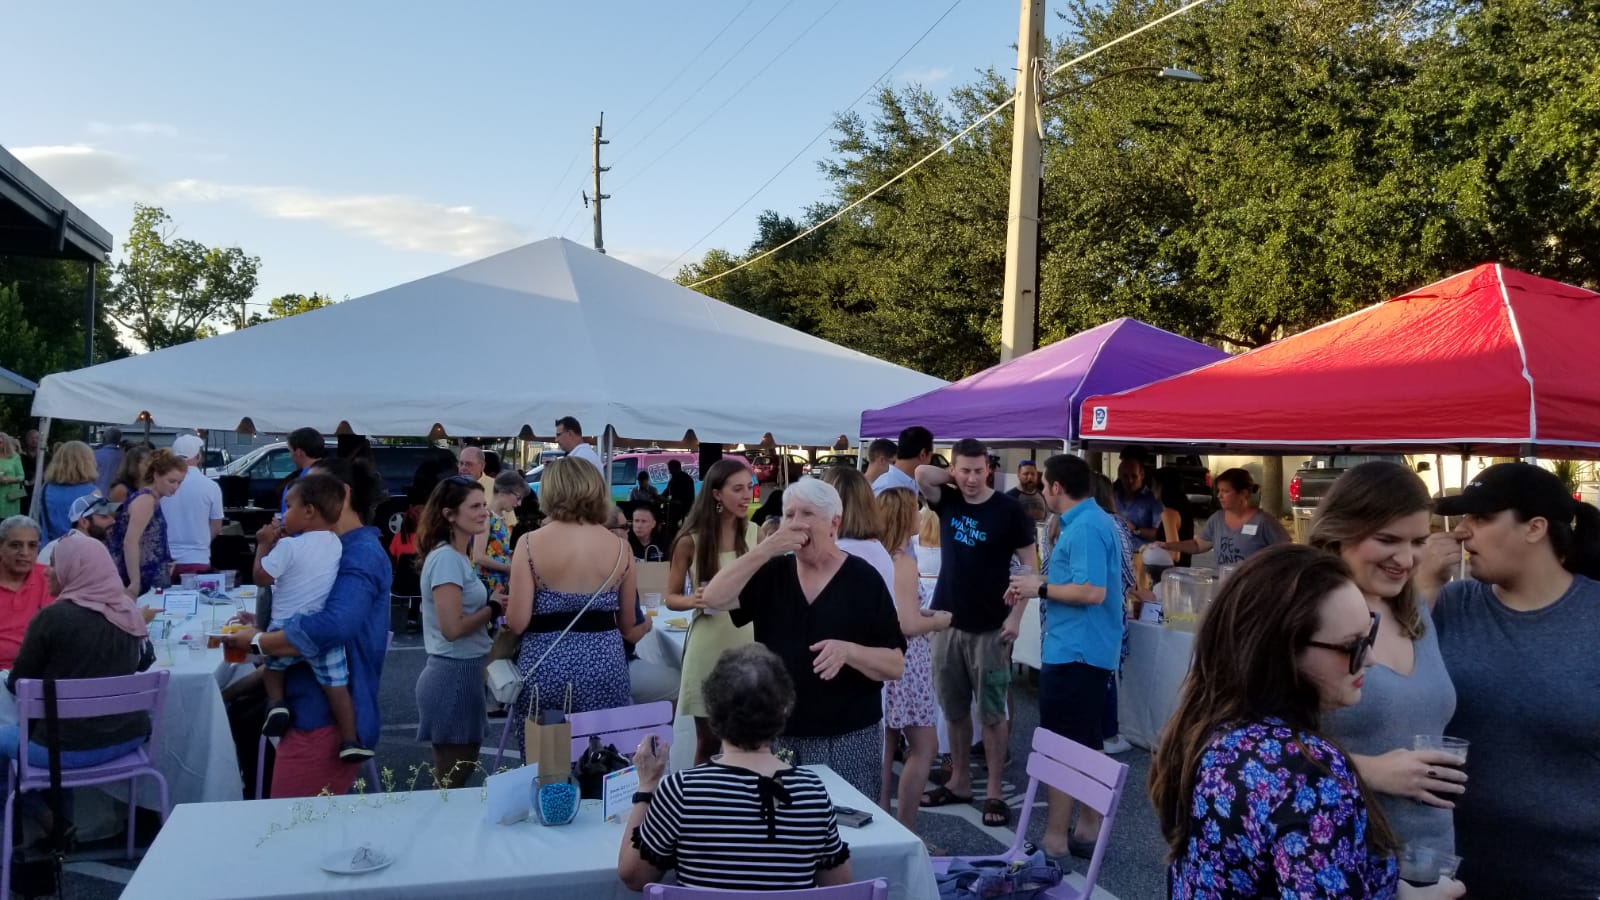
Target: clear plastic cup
(1449,865)
(197,647)
(1442,743)
(652,600)
(1419,865)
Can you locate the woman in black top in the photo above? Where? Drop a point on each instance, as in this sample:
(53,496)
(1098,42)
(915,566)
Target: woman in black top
(830,618)
(1177,519)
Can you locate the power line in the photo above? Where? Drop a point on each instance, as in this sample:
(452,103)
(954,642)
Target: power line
(731,97)
(946,145)
(556,188)
(819,135)
(702,86)
(688,65)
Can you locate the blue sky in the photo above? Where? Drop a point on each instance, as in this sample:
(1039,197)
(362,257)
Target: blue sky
(357,145)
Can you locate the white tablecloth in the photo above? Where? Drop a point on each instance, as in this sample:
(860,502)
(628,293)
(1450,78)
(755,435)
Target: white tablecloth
(444,849)
(196,753)
(1158,658)
(1029,647)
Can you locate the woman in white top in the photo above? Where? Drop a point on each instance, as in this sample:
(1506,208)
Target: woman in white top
(860,531)
(456,613)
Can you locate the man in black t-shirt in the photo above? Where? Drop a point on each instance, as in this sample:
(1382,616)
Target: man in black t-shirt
(980,533)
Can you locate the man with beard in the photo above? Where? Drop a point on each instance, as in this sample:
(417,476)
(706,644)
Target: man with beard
(1027,491)
(90,514)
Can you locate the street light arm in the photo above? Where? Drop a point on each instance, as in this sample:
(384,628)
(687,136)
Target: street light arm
(1160,72)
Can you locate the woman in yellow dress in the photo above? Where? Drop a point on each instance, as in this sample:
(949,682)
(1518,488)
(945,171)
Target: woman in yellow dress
(717,531)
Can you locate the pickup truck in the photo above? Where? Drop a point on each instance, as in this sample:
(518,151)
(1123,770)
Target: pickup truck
(1312,480)
(1196,478)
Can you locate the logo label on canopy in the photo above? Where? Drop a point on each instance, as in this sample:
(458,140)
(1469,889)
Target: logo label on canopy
(1100,417)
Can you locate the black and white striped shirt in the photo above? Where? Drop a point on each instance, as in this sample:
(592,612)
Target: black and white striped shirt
(726,827)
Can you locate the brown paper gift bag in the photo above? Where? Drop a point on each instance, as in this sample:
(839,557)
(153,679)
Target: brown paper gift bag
(652,577)
(548,742)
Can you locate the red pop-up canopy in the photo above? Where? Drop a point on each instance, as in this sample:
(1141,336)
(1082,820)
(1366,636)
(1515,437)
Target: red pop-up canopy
(1487,361)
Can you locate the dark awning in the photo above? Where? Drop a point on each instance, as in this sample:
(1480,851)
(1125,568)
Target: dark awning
(35,220)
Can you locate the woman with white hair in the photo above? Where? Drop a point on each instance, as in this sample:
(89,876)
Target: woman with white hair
(831,619)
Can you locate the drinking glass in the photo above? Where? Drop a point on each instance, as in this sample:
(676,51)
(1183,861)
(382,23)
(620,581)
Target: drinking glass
(1419,865)
(1452,745)
(1449,865)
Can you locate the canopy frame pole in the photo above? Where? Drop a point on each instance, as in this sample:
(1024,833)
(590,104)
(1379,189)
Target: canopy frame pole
(38,469)
(1465,459)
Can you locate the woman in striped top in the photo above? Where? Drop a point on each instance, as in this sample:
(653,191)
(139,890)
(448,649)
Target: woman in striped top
(746,820)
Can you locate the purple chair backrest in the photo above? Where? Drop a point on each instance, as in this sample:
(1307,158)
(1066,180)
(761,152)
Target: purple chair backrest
(624,726)
(876,889)
(84,698)
(1088,776)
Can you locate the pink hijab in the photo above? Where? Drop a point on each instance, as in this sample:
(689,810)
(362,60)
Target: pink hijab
(89,579)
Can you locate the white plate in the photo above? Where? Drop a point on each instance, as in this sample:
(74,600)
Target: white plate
(339,863)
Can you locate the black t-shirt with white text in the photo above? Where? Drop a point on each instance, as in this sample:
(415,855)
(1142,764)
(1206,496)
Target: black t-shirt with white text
(976,543)
(854,606)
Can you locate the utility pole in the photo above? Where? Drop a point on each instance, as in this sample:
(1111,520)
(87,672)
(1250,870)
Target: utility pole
(1020,305)
(599,242)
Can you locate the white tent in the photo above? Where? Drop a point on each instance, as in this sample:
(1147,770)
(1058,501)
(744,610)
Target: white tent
(497,346)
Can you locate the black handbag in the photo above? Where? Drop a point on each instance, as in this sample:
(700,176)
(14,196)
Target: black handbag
(35,870)
(595,764)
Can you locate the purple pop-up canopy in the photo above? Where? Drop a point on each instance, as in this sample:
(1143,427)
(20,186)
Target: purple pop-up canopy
(1035,398)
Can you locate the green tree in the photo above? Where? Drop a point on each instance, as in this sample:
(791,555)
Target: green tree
(42,308)
(169,289)
(291,305)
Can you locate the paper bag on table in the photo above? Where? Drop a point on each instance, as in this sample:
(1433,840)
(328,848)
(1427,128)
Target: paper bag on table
(652,577)
(548,738)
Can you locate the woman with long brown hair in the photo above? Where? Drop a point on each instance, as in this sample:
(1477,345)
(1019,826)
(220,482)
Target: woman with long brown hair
(456,613)
(1376,517)
(1253,797)
(138,540)
(717,532)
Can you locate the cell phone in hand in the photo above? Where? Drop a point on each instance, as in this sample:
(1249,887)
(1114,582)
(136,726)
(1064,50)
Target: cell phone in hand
(854,818)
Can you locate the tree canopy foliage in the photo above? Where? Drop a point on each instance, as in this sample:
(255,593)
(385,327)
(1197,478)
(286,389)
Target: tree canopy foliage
(171,290)
(1339,152)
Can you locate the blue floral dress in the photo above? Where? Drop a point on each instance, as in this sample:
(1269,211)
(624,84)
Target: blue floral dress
(1277,813)
(153,553)
(591,663)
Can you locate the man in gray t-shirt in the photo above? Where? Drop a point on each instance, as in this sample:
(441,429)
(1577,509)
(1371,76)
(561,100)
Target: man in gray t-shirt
(1528,698)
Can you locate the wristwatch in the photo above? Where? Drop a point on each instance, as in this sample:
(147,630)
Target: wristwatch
(255,645)
(1044,590)
(642,796)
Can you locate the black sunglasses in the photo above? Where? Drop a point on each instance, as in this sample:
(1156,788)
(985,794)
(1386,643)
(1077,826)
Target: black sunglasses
(1357,649)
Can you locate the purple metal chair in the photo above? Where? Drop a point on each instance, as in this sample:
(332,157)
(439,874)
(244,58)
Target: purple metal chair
(1087,776)
(876,889)
(85,698)
(369,769)
(624,726)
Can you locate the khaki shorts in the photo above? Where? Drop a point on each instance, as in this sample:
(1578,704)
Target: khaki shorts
(968,663)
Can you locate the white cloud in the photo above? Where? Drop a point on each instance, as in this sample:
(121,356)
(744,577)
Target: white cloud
(925,76)
(144,129)
(88,174)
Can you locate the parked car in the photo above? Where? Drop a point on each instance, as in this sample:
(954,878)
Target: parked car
(828,460)
(213,460)
(1312,480)
(1196,479)
(265,468)
(625,469)
(765,465)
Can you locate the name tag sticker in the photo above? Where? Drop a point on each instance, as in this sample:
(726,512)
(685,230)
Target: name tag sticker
(1250,530)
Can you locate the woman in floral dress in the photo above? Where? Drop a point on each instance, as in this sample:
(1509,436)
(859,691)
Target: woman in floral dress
(1253,797)
(909,706)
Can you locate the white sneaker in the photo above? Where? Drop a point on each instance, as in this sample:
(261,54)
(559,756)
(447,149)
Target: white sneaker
(1116,745)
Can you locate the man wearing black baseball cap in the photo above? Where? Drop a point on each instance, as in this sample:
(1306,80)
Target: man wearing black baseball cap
(1519,640)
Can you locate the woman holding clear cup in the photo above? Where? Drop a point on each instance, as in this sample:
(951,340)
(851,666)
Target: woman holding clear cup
(1376,518)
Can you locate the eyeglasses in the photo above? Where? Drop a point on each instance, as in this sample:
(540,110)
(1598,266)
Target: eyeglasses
(1357,649)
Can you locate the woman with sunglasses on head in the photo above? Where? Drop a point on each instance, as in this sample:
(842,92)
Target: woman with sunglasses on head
(1520,639)
(717,532)
(1254,798)
(1375,517)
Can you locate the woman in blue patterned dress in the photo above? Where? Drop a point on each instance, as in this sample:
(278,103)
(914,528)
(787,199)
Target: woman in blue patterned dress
(554,573)
(1253,797)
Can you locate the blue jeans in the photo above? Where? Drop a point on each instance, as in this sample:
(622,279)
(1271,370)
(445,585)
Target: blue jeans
(39,756)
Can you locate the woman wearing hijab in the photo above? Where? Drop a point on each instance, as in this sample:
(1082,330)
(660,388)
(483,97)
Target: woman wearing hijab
(93,630)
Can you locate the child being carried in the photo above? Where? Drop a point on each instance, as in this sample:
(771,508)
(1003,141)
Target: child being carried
(300,559)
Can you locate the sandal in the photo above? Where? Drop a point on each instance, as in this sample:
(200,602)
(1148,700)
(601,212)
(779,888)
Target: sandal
(942,796)
(996,814)
(942,770)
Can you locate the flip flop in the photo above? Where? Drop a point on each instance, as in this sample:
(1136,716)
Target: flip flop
(942,796)
(996,814)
